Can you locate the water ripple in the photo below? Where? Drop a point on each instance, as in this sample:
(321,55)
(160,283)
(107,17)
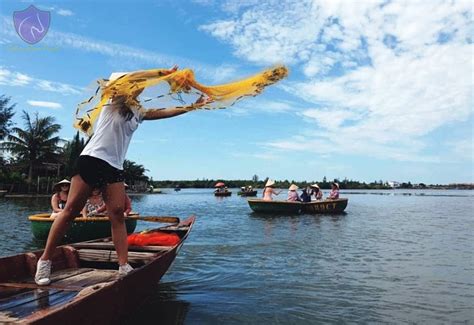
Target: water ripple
(405,257)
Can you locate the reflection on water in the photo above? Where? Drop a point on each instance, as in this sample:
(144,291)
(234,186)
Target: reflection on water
(389,258)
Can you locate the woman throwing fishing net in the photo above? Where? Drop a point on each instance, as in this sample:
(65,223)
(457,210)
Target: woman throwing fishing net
(110,118)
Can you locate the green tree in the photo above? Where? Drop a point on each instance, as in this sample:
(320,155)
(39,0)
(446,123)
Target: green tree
(71,152)
(36,144)
(6,114)
(134,172)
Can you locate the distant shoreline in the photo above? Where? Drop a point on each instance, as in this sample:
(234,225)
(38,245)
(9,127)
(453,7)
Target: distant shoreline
(171,190)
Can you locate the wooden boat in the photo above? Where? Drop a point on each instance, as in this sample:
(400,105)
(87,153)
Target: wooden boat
(226,193)
(85,286)
(276,207)
(248,193)
(259,205)
(325,206)
(81,229)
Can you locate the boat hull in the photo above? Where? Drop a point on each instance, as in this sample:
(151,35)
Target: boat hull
(314,207)
(221,194)
(78,295)
(326,206)
(81,229)
(249,193)
(258,205)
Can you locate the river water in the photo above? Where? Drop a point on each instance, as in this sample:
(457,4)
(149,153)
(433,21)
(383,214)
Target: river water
(394,257)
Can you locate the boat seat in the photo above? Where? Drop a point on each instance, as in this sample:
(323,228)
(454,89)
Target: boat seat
(110,246)
(103,255)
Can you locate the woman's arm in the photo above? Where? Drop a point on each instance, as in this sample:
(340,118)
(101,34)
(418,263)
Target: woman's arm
(102,208)
(55,203)
(160,113)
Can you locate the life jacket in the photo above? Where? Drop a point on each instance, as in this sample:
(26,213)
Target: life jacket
(156,238)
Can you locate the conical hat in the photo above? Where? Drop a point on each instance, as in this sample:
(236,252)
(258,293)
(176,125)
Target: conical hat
(58,184)
(270,182)
(293,187)
(115,75)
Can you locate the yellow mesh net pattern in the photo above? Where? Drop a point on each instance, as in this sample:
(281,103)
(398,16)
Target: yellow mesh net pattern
(132,84)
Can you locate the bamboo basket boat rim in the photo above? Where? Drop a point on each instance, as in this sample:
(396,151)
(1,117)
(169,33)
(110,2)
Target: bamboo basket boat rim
(294,202)
(45,217)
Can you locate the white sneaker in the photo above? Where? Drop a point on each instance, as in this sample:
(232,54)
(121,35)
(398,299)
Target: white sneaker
(124,269)
(43,272)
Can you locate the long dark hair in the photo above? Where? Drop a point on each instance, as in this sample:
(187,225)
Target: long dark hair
(124,109)
(126,112)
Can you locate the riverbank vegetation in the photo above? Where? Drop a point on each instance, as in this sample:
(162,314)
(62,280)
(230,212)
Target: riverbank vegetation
(33,157)
(323,184)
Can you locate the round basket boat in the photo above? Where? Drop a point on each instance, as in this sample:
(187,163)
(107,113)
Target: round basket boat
(313,207)
(82,229)
(248,193)
(219,194)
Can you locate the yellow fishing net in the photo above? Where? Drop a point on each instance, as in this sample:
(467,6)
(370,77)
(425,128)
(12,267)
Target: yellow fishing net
(179,82)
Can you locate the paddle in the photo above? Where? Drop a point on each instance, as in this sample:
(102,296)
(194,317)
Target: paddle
(164,219)
(134,215)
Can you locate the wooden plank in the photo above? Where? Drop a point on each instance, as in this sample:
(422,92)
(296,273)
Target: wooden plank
(98,255)
(62,274)
(6,317)
(89,278)
(45,302)
(110,246)
(35,286)
(13,267)
(8,292)
(26,297)
(174,228)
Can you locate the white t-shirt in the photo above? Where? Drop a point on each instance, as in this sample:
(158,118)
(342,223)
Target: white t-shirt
(112,135)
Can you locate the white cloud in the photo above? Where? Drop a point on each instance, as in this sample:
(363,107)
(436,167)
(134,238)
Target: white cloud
(64,12)
(11,78)
(15,79)
(380,76)
(271,32)
(123,55)
(260,155)
(38,103)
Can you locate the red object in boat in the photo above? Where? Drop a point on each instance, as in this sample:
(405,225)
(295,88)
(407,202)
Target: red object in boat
(156,238)
(220,184)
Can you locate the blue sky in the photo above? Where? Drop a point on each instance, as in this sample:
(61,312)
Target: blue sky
(378,90)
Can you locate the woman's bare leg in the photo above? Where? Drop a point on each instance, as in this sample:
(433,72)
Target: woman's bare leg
(76,200)
(114,197)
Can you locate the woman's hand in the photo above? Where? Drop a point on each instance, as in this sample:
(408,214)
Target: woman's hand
(170,71)
(202,101)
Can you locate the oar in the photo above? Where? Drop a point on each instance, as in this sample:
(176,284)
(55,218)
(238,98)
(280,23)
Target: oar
(164,219)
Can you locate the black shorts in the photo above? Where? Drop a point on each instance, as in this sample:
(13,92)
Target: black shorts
(97,172)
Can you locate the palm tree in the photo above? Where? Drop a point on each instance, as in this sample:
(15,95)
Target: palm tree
(71,151)
(134,172)
(36,144)
(6,114)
